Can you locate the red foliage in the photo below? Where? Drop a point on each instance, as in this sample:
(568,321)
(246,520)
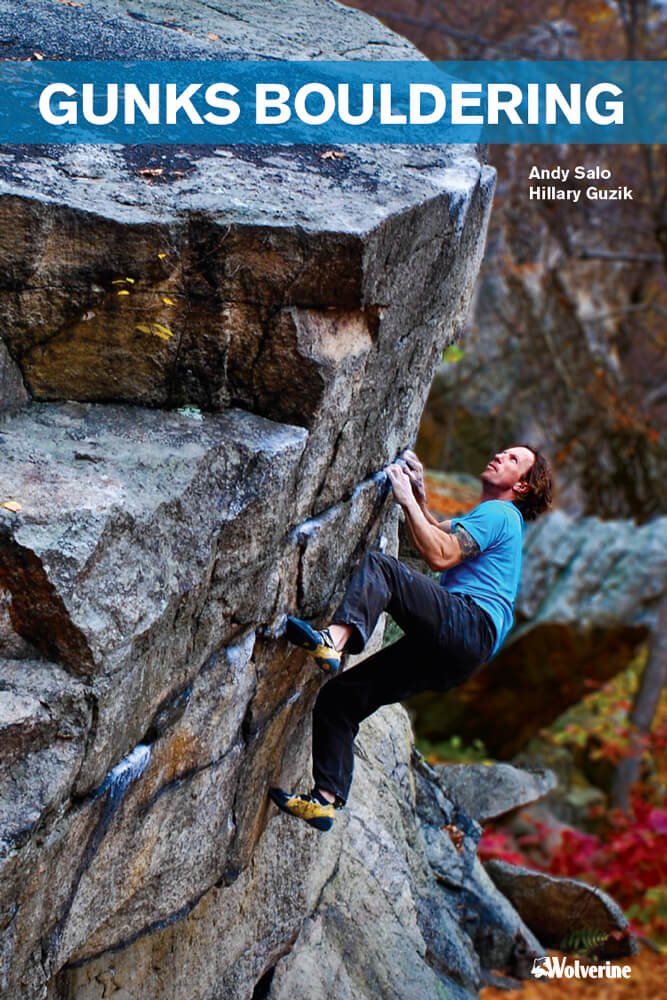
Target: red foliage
(630,862)
(498,844)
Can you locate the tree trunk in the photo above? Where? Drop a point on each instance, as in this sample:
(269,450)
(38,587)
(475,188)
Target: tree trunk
(643,712)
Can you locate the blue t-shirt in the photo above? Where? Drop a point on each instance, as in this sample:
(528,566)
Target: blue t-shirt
(492,577)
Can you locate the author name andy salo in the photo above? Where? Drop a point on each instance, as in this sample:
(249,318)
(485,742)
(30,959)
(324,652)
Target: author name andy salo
(558,192)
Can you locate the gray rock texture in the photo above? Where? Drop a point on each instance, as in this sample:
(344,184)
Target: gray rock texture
(370,910)
(179,29)
(197,459)
(558,908)
(131,521)
(501,940)
(588,573)
(44,717)
(485,792)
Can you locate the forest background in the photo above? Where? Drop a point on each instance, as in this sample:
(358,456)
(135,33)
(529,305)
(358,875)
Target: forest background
(566,348)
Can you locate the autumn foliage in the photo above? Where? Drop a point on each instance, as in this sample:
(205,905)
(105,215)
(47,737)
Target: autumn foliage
(628,860)
(624,854)
(568,336)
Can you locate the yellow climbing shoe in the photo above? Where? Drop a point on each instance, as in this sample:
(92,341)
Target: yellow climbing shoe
(310,807)
(318,642)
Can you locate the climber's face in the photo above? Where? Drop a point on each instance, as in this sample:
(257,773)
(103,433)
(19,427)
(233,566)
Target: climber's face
(507,469)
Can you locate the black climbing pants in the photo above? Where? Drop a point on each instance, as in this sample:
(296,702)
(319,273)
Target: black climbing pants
(446,637)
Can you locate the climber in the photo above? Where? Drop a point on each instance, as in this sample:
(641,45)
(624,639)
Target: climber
(451,627)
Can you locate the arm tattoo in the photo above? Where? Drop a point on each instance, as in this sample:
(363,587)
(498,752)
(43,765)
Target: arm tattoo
(469,547)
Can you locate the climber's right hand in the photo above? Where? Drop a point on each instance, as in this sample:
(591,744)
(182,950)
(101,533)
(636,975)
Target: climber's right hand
(415,471)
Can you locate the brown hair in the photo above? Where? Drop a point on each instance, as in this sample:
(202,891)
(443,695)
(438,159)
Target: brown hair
(539,496)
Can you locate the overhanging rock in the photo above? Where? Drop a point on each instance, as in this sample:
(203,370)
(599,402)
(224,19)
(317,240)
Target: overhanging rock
(561,909)
(292,306)
(311,290)
(330,314)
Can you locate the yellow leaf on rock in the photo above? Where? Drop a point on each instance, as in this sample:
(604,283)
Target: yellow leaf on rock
(159,329)
(168,301)
(156,329)
(11,505)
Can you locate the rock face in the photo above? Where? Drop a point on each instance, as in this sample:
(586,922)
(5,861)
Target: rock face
(44,717)
(187,463)
(488,792)
(371,910)
(559,909)
(12,390)
(130,523)
(586,603)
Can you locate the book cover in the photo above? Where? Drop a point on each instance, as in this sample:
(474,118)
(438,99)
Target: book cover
(249,254)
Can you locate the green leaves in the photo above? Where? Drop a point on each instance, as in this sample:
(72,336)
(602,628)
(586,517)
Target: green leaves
(584,941)
(452,355)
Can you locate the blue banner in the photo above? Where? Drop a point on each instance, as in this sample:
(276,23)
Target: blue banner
(231,102)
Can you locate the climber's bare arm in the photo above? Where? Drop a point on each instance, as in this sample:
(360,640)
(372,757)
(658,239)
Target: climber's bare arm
(441,550)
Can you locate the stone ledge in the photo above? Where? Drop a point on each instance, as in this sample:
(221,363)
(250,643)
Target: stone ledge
(555,908)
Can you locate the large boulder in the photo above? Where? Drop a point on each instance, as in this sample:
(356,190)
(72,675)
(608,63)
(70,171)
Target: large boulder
(373,909)
(565,912)
(184,465)
(486,791)
(311,290)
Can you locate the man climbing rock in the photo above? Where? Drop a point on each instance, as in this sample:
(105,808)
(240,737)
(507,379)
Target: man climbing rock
(451,627)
